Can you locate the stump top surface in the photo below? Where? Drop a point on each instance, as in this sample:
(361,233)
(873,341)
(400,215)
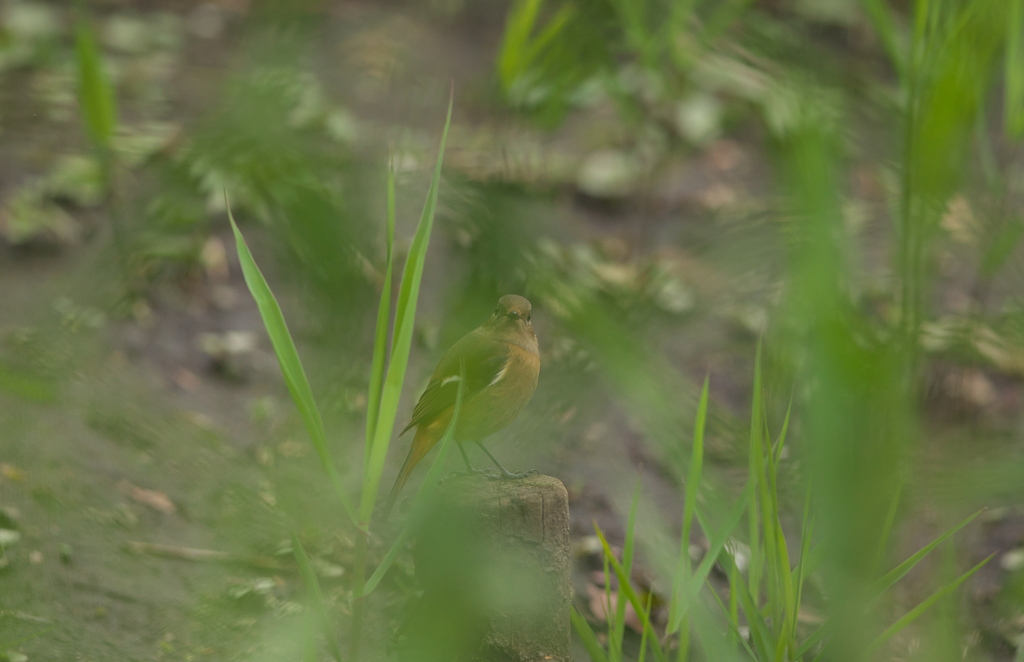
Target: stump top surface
(484,486)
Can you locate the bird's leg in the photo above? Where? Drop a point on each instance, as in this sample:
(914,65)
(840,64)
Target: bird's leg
(505,473)
(465,458)
(469,467)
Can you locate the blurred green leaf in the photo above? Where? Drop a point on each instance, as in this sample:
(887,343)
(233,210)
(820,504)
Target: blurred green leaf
(316,597)
(1014,70)
(95,93)
(26,385)
(288,358)
(928,602)
(902,569)
(380,344)
(587,636)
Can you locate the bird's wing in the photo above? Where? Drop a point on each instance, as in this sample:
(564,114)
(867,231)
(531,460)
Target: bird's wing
(484,358)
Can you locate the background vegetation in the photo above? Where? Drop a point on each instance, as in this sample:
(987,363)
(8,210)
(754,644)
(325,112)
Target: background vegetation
(812,208)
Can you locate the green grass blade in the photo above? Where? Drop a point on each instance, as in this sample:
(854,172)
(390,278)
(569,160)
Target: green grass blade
(587,637)
(696,467)
(626,588)
(380,342)
(782,593)
(756,470)
(732,619)
(547,35)
(408,294)
(316,597)
(689,507)
(95,93)
(780,444)
(812,640)
(734,605)
(614,644)
(1014,70)
(806,535)
(902,569)
(513,57)
(717,540)
(928,602)
(427,489)
(890,521)
(882,20)
(760,633)
(288,358)
(628,547)
(643,637)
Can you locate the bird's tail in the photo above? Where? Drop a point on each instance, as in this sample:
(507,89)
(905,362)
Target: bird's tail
(421,445)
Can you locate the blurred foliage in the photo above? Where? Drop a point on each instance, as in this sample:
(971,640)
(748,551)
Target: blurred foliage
(857,207)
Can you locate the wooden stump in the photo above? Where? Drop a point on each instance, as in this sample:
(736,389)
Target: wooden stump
(494,564)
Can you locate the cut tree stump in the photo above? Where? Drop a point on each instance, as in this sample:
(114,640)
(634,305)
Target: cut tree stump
(494,564)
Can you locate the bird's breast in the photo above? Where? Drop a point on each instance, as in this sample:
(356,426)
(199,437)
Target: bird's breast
(500,401)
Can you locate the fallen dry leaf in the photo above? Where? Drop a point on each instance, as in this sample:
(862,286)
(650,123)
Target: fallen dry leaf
(186,380)
(151,498)
(600,607)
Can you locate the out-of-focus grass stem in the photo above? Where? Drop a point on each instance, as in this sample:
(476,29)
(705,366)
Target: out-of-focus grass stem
(98,109)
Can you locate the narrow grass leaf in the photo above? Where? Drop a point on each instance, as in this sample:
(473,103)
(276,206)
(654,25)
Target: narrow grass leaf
(890,520)
(1014,70)
(626,588)
(95,93)
(587,637)
(380,342)
(689,507)
(316,597)
(756,469)
(928,602)
(288,358)
(884,23)
(522,16)
(815,638)
(628,547)
(806,535)
(760,633)
(902,569)
(732,618)
(643,637)
(408,293)
(717,540)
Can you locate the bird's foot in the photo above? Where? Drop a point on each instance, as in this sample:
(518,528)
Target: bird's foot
(508,475)
(486,473)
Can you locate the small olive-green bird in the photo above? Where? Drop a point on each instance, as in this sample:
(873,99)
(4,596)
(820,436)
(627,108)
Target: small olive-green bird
(501,364)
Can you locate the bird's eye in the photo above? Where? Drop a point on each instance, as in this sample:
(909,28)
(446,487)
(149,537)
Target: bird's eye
(495,311)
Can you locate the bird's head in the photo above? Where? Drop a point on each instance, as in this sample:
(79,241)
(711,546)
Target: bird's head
(512,315)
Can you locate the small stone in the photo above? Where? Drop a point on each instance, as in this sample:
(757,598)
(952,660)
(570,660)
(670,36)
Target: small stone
(608,174)
(699,118)
(1013,560)
(8,537)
